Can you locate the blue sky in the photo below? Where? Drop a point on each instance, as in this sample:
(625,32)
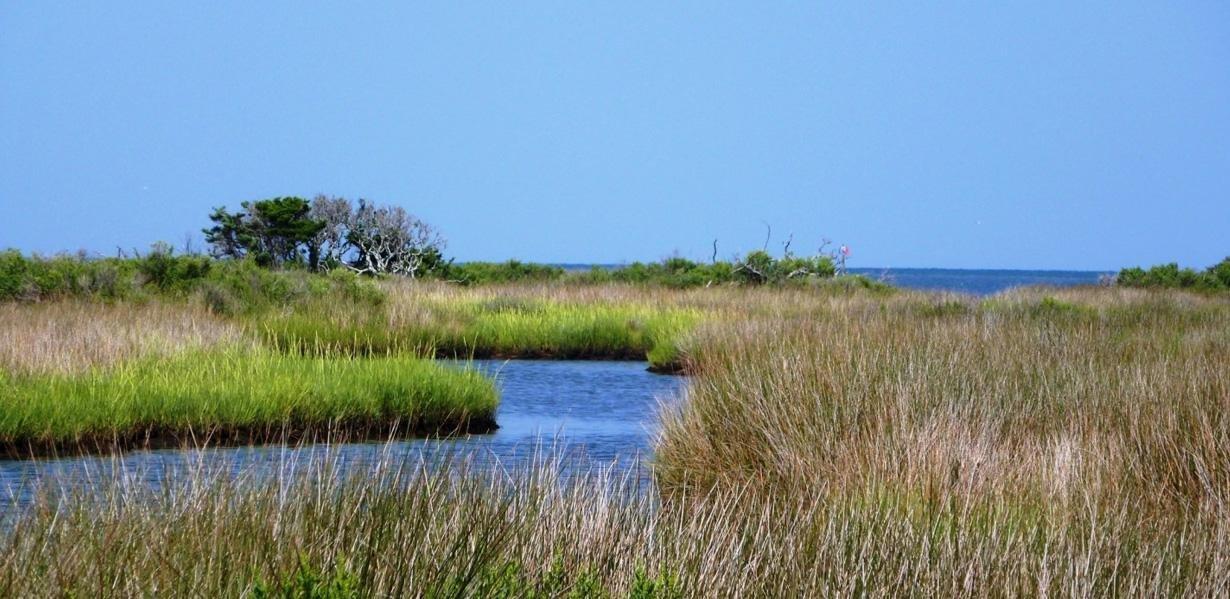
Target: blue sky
(1013,135)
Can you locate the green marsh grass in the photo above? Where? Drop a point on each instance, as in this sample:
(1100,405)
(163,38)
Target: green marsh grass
(478,323)
(244,395)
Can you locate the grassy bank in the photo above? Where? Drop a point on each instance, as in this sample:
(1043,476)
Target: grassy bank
(91,375)
(88,376)
(547,320)
(237,396)
(496,322)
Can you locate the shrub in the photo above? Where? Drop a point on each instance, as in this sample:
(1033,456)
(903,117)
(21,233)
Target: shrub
(1052,308)
(1221,272)
(479,273)
(1171,276)
(671,272)
(758,267)
(166,271)
(13,274)
(37,278)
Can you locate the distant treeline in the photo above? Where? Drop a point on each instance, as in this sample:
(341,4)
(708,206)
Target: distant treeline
(335,235)
(244,281)
(1213,278)
(755,268)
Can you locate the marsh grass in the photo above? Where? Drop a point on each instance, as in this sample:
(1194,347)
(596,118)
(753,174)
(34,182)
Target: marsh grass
(1032,408)
(242,395)
(487,323)
(421,527)
(76,336)
(87,376)
(834,441)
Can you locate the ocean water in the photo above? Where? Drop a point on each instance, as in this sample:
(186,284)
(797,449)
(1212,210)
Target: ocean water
(978,281)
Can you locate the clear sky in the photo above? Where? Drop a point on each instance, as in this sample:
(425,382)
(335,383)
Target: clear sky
(979,134)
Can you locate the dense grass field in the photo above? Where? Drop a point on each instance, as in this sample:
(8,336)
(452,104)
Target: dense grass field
(398,529)
(549,321)
(834,440)
(91,377)
(238,396)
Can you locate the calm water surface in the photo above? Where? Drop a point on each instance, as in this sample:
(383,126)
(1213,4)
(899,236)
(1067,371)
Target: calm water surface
(600,413)
(978,282)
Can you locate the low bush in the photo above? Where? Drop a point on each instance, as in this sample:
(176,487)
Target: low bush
(226,286)
(671,272)
(756,268)
(1216,277)
(164,270)
(38,278)
(512,271)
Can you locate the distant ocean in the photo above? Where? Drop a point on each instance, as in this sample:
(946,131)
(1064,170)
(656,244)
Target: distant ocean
(972,281)
(979,281)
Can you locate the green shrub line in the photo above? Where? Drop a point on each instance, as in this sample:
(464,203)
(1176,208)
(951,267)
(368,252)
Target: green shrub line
(1213,278)
(239,396)
(226,286)
(233,283)
(756,268)
(512,271)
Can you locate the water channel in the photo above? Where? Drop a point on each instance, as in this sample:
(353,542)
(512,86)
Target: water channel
(591,412)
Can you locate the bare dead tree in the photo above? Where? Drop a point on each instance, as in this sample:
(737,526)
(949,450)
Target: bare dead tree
(713,258)
(332,244)
(389,240)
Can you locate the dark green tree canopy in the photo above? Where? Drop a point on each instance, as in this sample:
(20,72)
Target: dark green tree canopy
(275,232)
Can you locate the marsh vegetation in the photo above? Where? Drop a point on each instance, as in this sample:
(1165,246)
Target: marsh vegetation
(837,438)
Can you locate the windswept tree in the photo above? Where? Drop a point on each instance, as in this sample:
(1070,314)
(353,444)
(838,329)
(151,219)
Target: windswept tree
(275,231)
(231,235)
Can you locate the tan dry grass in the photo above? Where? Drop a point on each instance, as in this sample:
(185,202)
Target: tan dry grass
(1104,395)
(72,337)
(403,530)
